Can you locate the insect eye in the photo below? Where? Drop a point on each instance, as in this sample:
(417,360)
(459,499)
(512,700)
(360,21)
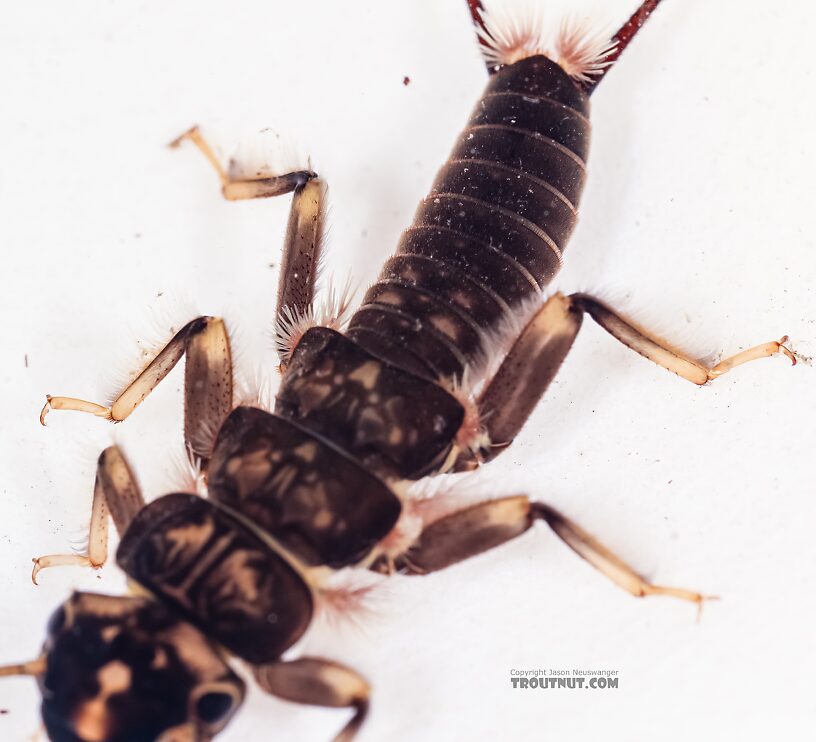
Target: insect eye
(214,706)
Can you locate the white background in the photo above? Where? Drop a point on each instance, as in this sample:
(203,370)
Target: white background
(698,220)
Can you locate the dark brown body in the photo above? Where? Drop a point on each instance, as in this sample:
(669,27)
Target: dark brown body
(440,368)
(488,237)
(450,352)
(356,412)
(491,232)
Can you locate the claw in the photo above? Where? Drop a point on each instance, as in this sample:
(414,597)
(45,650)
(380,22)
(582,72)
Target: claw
(61,560)
(45,410)
(787,351)
(189,134)
(37,569)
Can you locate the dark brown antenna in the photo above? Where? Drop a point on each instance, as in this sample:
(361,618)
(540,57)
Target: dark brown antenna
(622,38)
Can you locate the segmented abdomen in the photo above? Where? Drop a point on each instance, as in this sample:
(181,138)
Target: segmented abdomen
(492,230)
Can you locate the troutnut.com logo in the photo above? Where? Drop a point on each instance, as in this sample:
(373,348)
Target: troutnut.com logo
(555,678)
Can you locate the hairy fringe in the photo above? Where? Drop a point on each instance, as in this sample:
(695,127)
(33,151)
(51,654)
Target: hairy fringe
(185,474)
(333,311)
(350,596)
(509,36)
(166,317)
(425,501)
(256,387)
(472,435)
(266,154)
(582,51)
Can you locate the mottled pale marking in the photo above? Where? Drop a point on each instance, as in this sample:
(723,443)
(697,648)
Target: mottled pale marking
(311,395)
(395,436)
(325,368)
(394,408)
(250,470)
(445,326)
(323,518)
(159,660)
(366,375)
(461,297)
(233,584)
(195,651)
(284,478)
(91,717)
(314,497)
(109,633)
(390,297)
(199,567)
(371,415)
(306,451)
(184,542)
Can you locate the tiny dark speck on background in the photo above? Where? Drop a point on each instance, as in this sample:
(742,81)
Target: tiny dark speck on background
(406,80)
(25,360)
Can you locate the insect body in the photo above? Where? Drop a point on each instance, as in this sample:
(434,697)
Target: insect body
(317,485)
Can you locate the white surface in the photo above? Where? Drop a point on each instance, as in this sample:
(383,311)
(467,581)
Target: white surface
(698,220)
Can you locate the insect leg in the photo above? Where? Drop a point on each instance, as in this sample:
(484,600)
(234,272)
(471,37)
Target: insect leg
(524,375)
(303,244)
(476,529)
(662,353)
(117,494)
(302,250)
(318,682)
(535,357)
(207,384)
(235,189)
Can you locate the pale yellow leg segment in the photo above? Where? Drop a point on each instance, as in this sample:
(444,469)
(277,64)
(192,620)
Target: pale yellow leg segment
(34,667)
(752,354)
(97,541)
(238,190)
(663,354)
(116,494)
(476,529)
(607,563)
(207,384)
(318,682)
(138,389)
(72,403)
